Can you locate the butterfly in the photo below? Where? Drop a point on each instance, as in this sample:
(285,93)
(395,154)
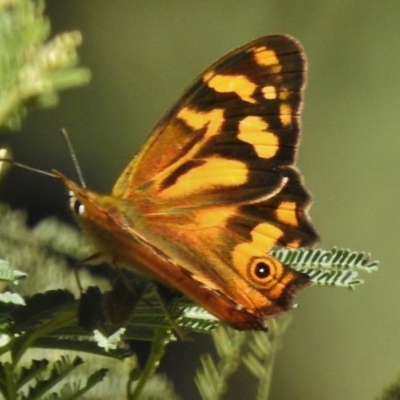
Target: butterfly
(214,189)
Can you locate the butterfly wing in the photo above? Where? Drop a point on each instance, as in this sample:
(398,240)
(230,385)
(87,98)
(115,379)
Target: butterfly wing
(229,136)
(214,188)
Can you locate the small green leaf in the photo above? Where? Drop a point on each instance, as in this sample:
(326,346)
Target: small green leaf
(8,274)
(335,267)
(13,298)
(41,307)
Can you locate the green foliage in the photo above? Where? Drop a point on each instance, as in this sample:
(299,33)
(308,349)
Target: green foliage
(212,379)
(59,370)
(32,68)
(261,354)
(335,267)
(254,350)
(58,320)
(43,377)
(50,320)
(10,275)
(71,391)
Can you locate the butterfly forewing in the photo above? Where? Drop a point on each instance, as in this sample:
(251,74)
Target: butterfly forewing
(226,137)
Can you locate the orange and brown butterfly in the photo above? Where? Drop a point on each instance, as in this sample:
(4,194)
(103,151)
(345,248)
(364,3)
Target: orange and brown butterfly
(214,188)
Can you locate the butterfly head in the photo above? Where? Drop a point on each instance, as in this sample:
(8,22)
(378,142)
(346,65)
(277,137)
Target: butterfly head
(75,204)
(89,208)
(99,216)
(76,195)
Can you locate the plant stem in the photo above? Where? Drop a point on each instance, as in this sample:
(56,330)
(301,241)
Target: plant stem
(162,338)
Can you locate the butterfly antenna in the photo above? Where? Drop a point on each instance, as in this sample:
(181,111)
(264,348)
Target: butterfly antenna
(74,158)
(5,158)
(27,167)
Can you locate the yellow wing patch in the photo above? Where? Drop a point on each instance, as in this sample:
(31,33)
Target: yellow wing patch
(269,92)
(264,236)
(267,58)
(253,130)
(283,94)
(204,177)
(286,213)
(285,114)
(213,217)
(238,84)
(197,120)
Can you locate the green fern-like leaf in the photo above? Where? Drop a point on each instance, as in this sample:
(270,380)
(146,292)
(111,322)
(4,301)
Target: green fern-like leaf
(197,319)
(72,391)
(260,354)
(256,350)
(213,376)
(60,369)
(335,267)
(27,374)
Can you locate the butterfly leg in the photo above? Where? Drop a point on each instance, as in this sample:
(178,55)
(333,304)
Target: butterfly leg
(167,297)
(77,264)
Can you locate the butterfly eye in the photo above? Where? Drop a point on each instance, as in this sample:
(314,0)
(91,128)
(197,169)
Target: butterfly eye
(75,204)
(79,208)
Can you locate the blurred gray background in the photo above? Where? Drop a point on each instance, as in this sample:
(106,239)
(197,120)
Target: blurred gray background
(142,54)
